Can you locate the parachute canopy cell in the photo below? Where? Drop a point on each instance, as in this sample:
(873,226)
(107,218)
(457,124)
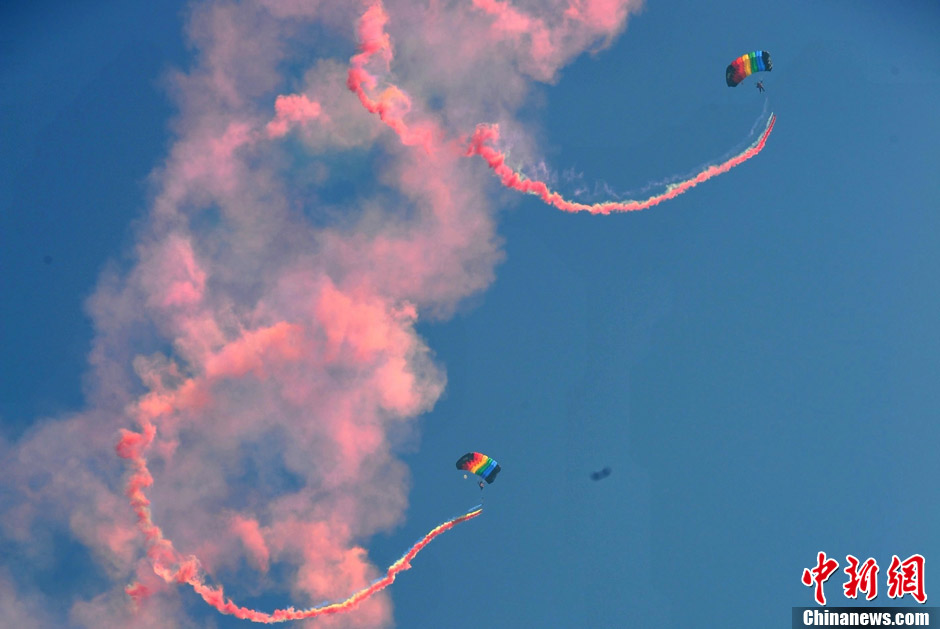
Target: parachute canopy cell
(746,65)
(479,464)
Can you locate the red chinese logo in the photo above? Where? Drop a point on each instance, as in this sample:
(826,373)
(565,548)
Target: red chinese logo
(907,577)
(903,577)
(819,575)
(862,578)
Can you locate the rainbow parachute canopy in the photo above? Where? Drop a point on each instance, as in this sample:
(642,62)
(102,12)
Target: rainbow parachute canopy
(479,464)
(746,65)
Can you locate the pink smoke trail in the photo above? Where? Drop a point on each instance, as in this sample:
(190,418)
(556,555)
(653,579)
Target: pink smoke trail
(132,446)
(510,178)
(394,103)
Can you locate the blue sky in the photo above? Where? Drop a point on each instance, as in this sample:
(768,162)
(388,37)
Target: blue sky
(755,360)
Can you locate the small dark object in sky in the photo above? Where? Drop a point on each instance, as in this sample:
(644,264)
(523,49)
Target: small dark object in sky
(604,473)
(47,259)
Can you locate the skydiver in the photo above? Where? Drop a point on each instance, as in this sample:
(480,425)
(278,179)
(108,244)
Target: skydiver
(481,485)
(760,86)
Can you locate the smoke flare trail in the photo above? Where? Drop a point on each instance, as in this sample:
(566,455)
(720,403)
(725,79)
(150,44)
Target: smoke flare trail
(394,103)
(604,190)
(510,178)
(160,550)
(215,597)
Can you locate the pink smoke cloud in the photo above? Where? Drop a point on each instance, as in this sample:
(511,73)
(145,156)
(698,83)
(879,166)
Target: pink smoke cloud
(19,609)
(249,532)
(292,109)
(544,44)
(252,362)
